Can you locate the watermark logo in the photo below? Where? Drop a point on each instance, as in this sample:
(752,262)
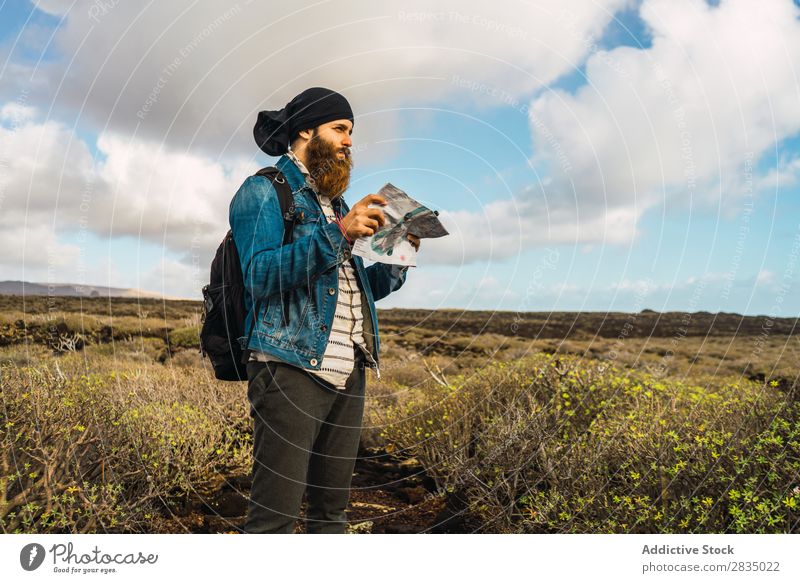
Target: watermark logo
(31,556)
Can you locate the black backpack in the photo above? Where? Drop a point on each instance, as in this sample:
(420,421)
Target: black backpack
(223,298)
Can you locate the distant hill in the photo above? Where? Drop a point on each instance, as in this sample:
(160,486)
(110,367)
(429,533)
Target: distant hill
(587,325)
(27,288)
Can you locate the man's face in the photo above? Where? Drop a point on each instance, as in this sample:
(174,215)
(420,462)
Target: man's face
(337,133)
(328,157)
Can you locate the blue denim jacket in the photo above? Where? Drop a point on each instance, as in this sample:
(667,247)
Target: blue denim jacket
(307,268)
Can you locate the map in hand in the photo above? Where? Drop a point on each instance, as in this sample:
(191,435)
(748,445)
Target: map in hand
(404,216)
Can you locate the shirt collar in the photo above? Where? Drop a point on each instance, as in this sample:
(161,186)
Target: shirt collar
(302,167)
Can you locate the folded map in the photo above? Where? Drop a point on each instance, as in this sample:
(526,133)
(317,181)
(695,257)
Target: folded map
(404,216)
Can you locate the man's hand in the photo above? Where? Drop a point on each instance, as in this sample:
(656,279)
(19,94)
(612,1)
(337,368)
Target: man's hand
(414,241)
(363,221)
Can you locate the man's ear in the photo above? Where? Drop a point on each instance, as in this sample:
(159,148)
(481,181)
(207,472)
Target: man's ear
(308,134)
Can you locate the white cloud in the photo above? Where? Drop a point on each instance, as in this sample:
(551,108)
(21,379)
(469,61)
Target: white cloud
(55,7)
(765,278)
(53,187)
(175,279)
(683,122)
(505,228)
(159,194)
(44,166)
(16,113)
(34,248)
(173,91)
(470,288)
(785,173)
(194,74)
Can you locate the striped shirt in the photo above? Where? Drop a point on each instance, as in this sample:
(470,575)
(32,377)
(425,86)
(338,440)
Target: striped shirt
(347,329)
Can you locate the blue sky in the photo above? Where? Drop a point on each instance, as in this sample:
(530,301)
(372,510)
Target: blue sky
(588,210)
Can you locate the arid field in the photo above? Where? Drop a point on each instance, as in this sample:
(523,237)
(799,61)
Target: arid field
(481,422)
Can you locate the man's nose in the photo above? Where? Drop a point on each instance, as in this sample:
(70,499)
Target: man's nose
(347,142)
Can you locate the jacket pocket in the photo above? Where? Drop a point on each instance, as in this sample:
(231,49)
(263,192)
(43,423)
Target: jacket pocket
(307,211)
(270,318)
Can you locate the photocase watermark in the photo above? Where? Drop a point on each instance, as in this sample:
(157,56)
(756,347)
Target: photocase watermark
(501,95)
(455,17)
(628,327)
(195,247)
(662,367)
(744,227)
(83,231)
(169,71)
(66,560)
(552,142)
(31,556)
(507,99)
(100,8)
(548,262)
(20,103)
(569,20)
(787,280)
(51,304)
(685,134)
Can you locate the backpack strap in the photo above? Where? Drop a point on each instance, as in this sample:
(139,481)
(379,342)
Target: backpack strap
(286,200)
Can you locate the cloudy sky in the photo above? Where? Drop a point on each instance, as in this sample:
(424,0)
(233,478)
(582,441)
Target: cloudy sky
(607,155)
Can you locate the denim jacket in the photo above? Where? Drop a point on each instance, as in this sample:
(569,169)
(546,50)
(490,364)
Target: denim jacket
(303,272)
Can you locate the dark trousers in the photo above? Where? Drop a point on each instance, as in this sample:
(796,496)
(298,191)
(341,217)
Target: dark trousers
(306,434)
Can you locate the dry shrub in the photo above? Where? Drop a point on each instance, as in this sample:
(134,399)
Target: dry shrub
(557,444)
(188,358)
(107,450)
(140,350)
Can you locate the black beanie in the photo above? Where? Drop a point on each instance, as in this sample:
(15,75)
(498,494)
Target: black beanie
(274,130)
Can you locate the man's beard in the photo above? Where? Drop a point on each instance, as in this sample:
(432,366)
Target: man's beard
(331,175)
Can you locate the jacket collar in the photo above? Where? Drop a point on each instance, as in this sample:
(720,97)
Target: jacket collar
(291,172)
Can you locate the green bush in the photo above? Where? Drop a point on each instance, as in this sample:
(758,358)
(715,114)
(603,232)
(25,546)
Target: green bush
(554,444)
(106,451)
(188,337)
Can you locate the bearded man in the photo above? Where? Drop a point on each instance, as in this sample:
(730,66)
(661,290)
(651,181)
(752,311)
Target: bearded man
(316,326)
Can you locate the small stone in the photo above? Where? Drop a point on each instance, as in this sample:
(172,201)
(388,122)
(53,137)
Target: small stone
(360,527)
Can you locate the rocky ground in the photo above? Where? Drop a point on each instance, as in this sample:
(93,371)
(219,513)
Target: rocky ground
(388,496)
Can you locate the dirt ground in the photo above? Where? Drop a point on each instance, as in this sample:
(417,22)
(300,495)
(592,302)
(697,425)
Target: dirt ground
(388,496)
